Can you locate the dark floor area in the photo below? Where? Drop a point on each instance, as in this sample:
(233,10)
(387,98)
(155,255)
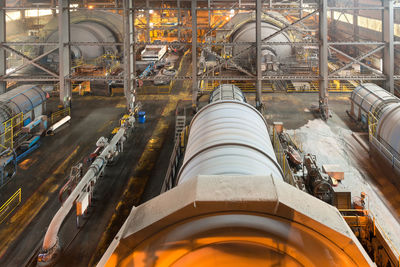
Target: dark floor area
(42,173)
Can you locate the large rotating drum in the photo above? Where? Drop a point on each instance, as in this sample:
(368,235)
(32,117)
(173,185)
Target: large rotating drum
(229,137)
(388,130)
(88,32)
(231,206)
(371,99)
(242,28)
(367,97)
(89,27)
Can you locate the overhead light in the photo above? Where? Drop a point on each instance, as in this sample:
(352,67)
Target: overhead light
(151,11)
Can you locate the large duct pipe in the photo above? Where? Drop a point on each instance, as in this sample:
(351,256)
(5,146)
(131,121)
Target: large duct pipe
(228,137)
(50,241)
(51,246)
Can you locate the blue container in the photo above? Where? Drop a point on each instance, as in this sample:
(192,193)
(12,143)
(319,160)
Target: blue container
(142,116)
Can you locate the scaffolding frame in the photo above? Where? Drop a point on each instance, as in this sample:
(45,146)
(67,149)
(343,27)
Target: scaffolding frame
(130,9)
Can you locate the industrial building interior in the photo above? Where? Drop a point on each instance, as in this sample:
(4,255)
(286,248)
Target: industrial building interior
(200,133)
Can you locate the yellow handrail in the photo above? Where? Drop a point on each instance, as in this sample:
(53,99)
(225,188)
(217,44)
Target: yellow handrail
(60,113)
(12,128)
(4,207)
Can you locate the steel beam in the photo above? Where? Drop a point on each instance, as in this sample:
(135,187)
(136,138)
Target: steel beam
(64,37)
(194,54)
(3,62)
(30,43)
(388,38)
(323,59)
(29,61)
(95,78)
(31,79)
(357,60)
(259,54)
(178,4)
(356,28)
(357,43)
(286,28)
(28,8)
(147,33)
(127,54)
(132,53)
(263,40)
(358,8)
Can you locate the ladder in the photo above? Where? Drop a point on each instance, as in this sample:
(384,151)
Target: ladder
(180,123)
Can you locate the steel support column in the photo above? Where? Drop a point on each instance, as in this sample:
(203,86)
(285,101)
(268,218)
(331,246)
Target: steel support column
(356,28)
(178,4)
(323,59)
(64,36)
(147,34)
(194,54)
(132,53)
(127,55)
(301,9)
(388,38)
(3,62)
(259,55)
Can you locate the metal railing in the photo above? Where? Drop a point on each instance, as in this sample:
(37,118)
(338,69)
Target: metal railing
(173,167)
(333,86)
(209,86)
(281,157)
(58,115)
(12,128)
(10,205)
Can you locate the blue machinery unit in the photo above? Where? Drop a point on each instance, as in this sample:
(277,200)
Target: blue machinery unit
(28,99)
(19,135)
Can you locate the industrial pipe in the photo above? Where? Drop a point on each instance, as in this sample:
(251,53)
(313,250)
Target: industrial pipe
(50,245)
(57,125)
